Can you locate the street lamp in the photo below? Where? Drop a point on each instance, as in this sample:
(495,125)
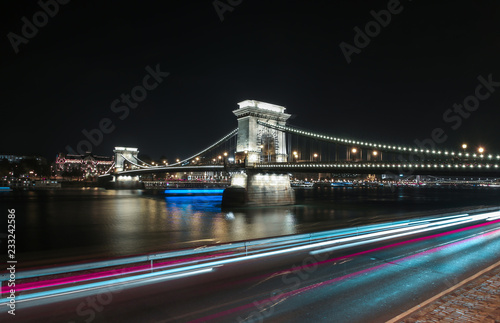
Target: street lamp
(354,151)
(480,150)
(464,147)
(177,160)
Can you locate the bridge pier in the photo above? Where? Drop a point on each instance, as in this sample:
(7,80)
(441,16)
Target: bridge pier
(124,182)
(257,189)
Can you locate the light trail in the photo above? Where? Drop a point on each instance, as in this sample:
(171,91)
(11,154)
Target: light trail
(284,295)
(427,225)
(107,274)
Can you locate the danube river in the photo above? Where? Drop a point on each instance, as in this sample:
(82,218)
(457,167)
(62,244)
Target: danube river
(72,225)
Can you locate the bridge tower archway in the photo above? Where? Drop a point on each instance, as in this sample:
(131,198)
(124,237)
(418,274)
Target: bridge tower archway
(121,156)
(255,141)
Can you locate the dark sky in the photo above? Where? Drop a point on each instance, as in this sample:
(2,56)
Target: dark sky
(396,89)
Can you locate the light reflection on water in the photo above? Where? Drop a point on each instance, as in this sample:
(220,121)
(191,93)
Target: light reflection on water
(100,223)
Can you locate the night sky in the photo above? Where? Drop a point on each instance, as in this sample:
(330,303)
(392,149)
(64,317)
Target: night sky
(396,89)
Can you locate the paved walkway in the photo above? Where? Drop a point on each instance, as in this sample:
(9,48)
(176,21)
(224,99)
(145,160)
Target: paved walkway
(475,301)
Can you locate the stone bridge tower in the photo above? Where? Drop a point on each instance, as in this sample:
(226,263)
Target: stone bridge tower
(256,142)
(125,152)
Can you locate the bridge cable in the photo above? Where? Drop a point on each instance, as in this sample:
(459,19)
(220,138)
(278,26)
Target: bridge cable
(142,161)
(140,166)
(369,145)
(220,141)
(110,168)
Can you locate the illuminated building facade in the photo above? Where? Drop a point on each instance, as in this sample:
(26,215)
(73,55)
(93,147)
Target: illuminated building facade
(85,166)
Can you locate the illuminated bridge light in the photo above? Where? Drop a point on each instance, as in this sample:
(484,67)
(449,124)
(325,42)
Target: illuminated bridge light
(474,155)
(490,156)
(442,166)
(488,166)
(496,166)
(479,166)
(456,166)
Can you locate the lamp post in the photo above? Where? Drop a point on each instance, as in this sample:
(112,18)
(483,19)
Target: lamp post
(354,151)
(245,161)
(480,150)
(464,147)
(374,153)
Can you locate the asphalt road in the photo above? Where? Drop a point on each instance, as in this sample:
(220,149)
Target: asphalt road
(367,283)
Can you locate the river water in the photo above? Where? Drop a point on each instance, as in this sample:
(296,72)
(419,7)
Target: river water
(81,224)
